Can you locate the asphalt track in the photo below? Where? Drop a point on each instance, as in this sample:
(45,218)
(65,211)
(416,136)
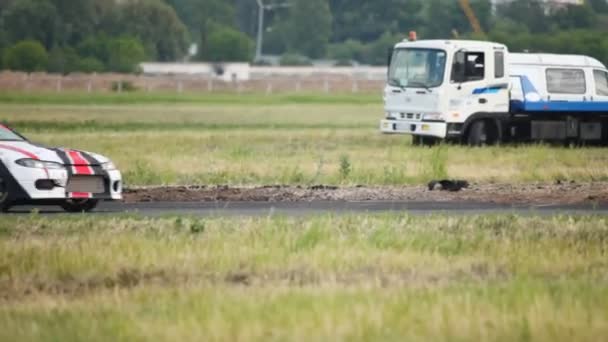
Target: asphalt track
(159,209)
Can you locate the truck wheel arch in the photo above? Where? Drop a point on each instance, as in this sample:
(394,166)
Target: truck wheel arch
(494,119)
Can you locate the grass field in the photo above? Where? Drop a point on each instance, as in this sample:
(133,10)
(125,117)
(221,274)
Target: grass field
(352,278)
(279,139)
(324,278)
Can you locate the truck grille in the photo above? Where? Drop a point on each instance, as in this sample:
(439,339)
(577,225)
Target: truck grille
(411,116)
(92,184)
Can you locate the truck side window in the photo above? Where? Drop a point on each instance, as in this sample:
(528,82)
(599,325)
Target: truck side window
(499,64)
(601,82)
(566,81)
(468,66)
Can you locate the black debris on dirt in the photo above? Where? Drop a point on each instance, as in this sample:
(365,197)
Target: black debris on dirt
(448,185)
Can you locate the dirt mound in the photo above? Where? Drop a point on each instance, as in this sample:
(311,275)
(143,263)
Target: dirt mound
(557,193)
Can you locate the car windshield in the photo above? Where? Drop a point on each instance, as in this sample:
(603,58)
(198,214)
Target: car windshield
(417,68)
(8,135)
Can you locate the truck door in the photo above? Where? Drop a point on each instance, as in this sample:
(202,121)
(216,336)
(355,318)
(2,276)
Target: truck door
(480,80)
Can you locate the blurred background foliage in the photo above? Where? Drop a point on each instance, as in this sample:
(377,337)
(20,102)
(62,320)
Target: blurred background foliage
(66,36)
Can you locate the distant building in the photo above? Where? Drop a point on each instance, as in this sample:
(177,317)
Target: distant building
(549,3)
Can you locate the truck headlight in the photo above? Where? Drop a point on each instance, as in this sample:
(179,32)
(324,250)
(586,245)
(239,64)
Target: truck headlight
(432,117)
(109,166)
(39,164)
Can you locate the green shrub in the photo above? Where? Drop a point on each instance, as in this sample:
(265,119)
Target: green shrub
(295,60)
(27,56)
(349,50)
(63,60)
(227,45)
(125,54)
(90,65)
(95,47)
(120,86)
(345,166)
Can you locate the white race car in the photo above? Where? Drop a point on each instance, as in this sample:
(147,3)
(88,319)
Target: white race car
(34,175)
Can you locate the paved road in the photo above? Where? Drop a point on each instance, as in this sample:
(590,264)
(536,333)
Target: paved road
(322,207)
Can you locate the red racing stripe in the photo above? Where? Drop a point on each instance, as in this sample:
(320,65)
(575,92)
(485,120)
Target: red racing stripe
(19,150)
(80,164)
(25,153)
(80,195)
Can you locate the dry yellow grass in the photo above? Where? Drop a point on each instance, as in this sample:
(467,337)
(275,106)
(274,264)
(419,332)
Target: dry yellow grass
(389,277)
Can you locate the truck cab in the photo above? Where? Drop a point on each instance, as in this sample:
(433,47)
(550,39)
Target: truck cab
(478,93)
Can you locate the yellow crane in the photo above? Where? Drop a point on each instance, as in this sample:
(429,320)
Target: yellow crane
(468,11)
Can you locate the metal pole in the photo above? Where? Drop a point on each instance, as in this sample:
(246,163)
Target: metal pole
(260,38)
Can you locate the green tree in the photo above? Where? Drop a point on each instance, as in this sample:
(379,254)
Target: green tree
(197,14)
(3,46)
(246,16)
(483,11)
(203,17)
(366,21)
(294,60)
(227,45)
(125,54)
(445,18)
(375,52)
(31,20)
(529,13)
(349,50)
(63,60)
(90,65)
(574,17)
(600,6)
(95,47)
(156,25)
(77,19)
(26,56)
(308,27)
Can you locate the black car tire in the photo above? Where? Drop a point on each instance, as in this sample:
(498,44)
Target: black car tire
(79,205)
(5,204)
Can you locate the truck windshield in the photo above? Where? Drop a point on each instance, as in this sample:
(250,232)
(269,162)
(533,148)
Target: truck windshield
(8,135)
(417,68)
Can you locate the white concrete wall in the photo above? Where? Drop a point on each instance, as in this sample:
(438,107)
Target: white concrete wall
(227,72)
(245,72)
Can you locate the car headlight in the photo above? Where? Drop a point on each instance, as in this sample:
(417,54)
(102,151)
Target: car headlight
(39,164)
(432,117)
(109,166)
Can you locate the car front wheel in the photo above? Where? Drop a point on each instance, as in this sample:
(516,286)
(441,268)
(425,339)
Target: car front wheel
(79,205)
(5,204)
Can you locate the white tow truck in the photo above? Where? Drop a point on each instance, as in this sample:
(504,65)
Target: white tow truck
(478,93)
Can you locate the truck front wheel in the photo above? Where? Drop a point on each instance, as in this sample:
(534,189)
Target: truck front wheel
(482,132)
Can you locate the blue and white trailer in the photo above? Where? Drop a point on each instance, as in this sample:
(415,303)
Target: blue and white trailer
(478,93)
